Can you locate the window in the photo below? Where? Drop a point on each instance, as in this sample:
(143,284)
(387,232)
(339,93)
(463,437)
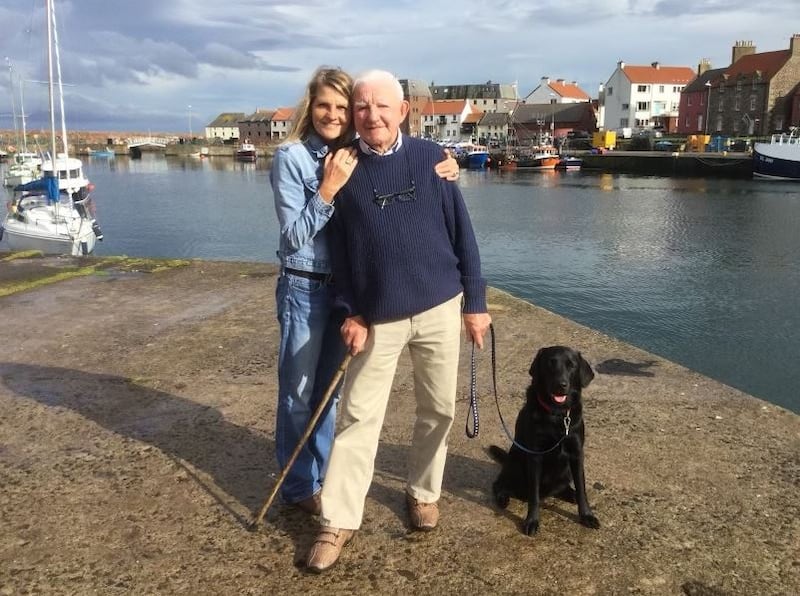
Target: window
(610,91)
(689,101)
(736,103)
(642,88)
(661,88)
(739,85)
(752,103)
(623,122)
(643,106)
(735,125)
(686,122)
(721,104)
(626,106)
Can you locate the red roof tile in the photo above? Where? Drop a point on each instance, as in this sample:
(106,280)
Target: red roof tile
(767,62)
(570,90)
(444,106)
(672,75)
(283,114)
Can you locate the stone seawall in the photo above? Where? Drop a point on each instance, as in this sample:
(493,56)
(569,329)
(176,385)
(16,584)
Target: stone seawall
(137,407)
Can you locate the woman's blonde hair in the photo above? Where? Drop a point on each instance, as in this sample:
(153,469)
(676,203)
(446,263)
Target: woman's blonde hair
(325,76)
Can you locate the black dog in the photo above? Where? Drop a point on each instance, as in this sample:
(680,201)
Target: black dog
(547,452)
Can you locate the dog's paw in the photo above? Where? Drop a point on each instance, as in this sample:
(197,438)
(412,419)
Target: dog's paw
(530,526)
(501,499)
(590,521)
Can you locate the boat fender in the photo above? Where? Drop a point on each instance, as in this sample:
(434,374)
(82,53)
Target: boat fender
(97,231)
(84,249)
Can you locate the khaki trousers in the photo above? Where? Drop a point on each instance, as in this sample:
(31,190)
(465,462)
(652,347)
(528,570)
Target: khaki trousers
(433,338)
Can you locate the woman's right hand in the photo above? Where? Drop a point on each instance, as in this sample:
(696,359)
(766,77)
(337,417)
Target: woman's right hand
(336,171)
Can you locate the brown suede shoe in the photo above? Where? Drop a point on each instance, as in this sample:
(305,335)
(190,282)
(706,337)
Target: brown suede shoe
(312,505)
(327,547)
(423,516)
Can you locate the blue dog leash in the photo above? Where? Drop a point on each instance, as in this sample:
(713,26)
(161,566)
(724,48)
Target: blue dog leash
(472,411)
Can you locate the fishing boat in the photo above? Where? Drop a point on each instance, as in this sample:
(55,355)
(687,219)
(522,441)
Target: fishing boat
(246,151)
(53,214)
(477,157)
(540,158)
(780,158)
(569,162)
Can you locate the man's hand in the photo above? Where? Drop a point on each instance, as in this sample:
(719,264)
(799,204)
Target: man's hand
(477,325)
(354,334)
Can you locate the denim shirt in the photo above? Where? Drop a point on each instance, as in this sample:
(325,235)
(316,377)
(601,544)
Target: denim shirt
(302,214)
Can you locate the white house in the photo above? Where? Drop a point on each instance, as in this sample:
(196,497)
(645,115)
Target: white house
(281,123)
(558,91)
(643,96)
(442,119)
(225,126)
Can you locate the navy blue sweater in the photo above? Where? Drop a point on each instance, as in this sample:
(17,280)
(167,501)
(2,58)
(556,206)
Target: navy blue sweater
(397,256)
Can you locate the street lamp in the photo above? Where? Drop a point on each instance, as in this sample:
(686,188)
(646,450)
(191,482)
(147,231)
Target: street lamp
(708,104)
(190,122)
(552,118)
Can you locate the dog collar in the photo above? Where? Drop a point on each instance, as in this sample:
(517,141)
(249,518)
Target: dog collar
(546,406)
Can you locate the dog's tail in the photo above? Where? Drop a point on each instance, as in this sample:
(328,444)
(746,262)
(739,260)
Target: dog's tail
(498,454)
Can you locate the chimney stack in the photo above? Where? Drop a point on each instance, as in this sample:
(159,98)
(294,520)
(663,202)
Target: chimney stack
(794,45)
(742,48)
(705,65)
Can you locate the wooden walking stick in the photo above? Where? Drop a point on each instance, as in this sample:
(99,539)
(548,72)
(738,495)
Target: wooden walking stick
(309,429)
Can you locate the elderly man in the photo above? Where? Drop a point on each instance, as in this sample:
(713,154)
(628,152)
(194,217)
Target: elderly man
(407,270)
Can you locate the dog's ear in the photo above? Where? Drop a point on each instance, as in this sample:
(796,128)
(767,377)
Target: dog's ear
(585,371)
(535,364)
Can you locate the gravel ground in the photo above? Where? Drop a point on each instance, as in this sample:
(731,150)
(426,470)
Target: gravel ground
(136,439)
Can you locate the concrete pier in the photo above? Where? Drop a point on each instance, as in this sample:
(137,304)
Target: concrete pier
(137,408)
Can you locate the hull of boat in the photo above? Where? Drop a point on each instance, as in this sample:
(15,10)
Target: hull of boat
(22,237)
(776,162)
(569,164)
(60,230)
(242,155)
(477,161)
(539,163)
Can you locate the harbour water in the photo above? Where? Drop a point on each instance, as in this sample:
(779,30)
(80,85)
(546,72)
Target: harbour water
(700,271)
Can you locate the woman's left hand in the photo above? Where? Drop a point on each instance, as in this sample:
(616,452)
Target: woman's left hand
(336,171)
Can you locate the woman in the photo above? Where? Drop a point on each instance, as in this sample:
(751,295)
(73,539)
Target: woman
(307,171)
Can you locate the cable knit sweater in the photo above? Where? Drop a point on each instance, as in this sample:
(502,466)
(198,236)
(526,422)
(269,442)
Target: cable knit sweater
(400,256)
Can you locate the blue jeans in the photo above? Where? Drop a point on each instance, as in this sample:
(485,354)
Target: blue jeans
(311,351)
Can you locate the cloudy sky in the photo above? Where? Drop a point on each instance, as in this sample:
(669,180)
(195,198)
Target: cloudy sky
(141,64)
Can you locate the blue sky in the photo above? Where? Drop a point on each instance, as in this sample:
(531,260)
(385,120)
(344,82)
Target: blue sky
(139,65)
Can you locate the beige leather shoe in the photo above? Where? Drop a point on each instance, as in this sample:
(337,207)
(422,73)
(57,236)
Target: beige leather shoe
(423,516)
(327,547)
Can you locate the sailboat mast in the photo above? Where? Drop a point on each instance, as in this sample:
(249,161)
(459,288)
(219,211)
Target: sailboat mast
(51,91)
(13,105)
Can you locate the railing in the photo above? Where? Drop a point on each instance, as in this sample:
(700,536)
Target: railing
(139,141)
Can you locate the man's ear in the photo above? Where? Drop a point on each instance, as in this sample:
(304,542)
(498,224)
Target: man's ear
(404,108)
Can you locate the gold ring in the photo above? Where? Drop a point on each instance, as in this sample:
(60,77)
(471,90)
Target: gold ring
(348,161)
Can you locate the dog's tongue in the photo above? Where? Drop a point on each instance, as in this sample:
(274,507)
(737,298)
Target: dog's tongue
(559,399)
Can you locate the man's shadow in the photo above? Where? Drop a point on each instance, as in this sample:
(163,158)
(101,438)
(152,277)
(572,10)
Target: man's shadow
(238,459)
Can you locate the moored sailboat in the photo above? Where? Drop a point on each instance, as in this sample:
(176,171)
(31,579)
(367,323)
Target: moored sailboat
(53,214)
